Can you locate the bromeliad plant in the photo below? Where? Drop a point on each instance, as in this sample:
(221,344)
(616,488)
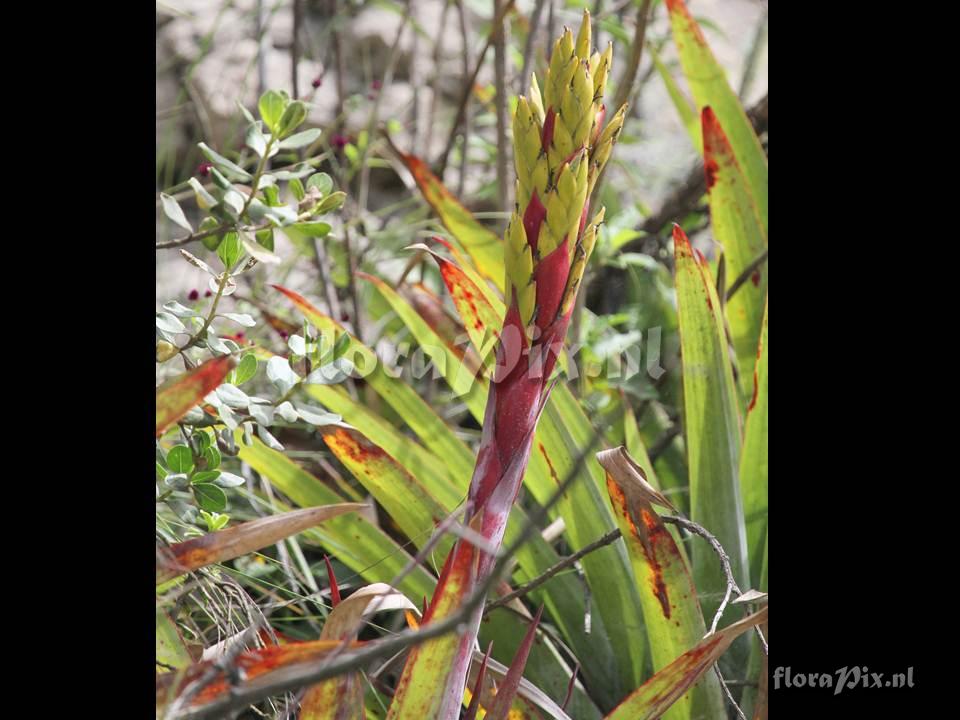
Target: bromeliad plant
(639,617)
(560,148)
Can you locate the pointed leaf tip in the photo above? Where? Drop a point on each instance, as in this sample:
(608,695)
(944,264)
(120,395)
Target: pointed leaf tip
(334,588)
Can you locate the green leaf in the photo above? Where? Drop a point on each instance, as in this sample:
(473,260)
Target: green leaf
(321,181)
(272,105)
(736,226)
(361,546)
(209,497)
(312,229)
(407,501)
(180,459)
(294,114)
(711,423)
(301,139)
(172,210)
(264,238)
(259,252)
(296,187)
(215,521)
(709,86)
(213,457)
(245,370)
(300,170)
(420,417)
(231,168)
(230,250)
(204,476)
(753,465)
(171,648)
(256,140)
(210,242)
(330,203)
(316,416)
(447,359)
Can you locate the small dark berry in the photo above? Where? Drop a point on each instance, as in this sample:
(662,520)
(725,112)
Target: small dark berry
(317,82)
(193,295)
(204,168)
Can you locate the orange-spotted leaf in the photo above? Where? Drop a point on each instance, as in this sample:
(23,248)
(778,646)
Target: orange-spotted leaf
(252,664)
(177,396)
(481,319)
(652,699)
(242,539)
(671,613)
(405,499)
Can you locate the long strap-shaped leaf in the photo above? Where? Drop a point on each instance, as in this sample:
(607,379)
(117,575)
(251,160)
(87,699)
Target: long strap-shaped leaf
(709,86)
(737,227)
(711,422)
(754,464)
(241,539)
(656,695)
(671,612)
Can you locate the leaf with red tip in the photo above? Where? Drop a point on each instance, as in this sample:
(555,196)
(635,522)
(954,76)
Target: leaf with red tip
(332,578)
(711,423)
(445,358)
(431,308)
(661,691)
(481,315)
(508,689)
(478,687)
(177,396)
(737,227)
(671,613)
(709,86)
(483,245)
(242,539)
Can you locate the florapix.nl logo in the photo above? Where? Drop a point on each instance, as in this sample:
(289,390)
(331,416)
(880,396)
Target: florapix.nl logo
(846,678)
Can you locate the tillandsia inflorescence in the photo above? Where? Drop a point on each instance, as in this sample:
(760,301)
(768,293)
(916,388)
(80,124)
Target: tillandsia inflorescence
(560,147)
